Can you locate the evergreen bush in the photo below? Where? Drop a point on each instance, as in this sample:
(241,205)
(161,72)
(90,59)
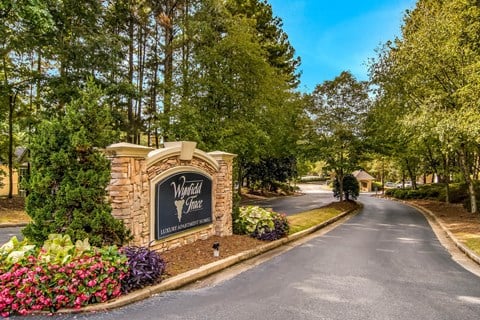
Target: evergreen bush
(2,175)
(351,188)
(69,175)
(458,193)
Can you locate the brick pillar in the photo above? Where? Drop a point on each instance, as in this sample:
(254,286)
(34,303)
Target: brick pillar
(223,202)
(129,189)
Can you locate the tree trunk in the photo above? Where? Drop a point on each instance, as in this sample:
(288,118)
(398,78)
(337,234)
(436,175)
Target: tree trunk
(11,99)
(167,24)
(240,178)
(467,171)
(412,175)
(473,197)
(383,176)
(153,112)
(340,187)
(186,42)
(447,177)
(130,125)
(141,71)
(340,175)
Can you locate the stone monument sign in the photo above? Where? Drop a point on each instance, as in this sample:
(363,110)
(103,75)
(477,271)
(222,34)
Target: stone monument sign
(171,196)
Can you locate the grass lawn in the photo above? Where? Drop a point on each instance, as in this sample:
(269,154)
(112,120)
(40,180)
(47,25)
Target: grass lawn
(308,219)
(13,210)
(14,217)
(474,244)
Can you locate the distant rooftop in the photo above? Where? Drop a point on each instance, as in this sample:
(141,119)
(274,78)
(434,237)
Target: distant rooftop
(362,175)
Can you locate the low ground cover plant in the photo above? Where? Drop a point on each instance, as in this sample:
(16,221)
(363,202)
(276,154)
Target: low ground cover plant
(261,223)
(146,268)
(61,274)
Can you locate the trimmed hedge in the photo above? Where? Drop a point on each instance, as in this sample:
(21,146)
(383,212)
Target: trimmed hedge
(457,191)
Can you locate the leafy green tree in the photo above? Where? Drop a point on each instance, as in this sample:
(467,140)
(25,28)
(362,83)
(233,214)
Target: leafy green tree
(240,103)
(67,187)
(348,189)
(434,71)
(23,23)
(280,53)
(269,171)
(218,72)
(338,110)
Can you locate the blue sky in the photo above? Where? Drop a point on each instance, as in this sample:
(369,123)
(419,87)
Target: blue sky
(334,36)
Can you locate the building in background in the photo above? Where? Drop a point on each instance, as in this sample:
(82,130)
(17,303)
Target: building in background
(20,170)
(364,180)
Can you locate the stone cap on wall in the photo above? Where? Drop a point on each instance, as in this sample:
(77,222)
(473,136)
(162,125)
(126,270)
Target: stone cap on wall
(220,155)
(185,150)
(124,149)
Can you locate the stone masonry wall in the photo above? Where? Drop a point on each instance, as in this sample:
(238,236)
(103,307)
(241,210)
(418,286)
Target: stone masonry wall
(130,196)
(130,193)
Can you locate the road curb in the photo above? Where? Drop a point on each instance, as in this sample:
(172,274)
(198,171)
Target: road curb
(202,272)
(469,253)
(13,225)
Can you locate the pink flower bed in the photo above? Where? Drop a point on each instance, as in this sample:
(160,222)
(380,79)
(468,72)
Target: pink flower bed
(31,284)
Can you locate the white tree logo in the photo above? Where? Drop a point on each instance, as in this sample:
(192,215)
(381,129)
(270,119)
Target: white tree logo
(179,204)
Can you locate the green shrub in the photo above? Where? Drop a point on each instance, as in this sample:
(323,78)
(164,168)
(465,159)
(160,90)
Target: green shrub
(69,175)
(458,193)
(267,172)
(261,223)
(390,192)
(236,212)
(399,193)
(351,188)
(253,218)
(284,186)
(467,204)
(430,191)
(2,175)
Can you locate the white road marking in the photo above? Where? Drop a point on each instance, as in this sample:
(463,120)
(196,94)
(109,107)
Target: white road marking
(475,300)
(385,250)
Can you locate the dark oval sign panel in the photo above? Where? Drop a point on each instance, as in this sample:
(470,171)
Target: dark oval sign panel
(182,201)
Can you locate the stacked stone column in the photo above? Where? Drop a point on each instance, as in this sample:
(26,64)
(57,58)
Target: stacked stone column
(129,189)
(223,204)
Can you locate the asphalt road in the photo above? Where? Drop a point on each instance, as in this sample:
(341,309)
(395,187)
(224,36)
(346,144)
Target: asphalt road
(313,197)
(384,263)
(7,233)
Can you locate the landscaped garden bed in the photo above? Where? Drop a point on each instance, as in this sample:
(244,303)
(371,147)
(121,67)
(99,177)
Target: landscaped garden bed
(61,274)
(65,275)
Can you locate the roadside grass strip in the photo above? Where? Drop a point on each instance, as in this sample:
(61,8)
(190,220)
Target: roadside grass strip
(470,239)
(302,221)
(474,244)
(13,216)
